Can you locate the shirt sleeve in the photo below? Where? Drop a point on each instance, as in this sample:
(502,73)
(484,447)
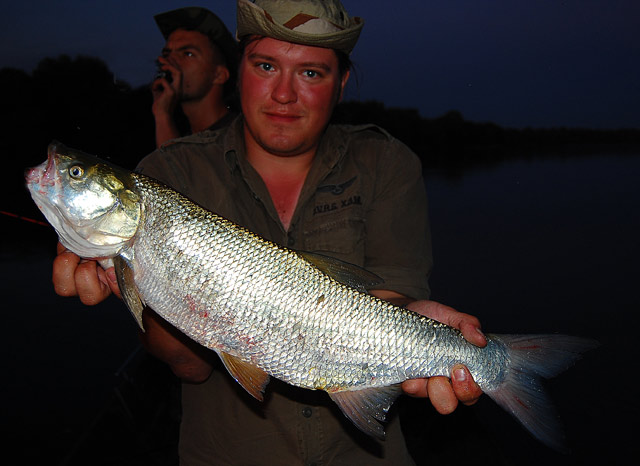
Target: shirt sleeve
(155,166)
(165,167)
(398,239)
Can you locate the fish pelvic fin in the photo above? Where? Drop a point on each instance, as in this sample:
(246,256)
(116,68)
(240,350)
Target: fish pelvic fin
(368,407)
(252,379)
(128,289)
(533,357)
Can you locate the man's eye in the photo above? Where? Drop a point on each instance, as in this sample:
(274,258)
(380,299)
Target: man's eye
(188,54)
(311,73)
(265,66)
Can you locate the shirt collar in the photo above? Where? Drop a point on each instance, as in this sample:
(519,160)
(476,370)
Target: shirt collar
(333,146)
(233,144)
(331,150)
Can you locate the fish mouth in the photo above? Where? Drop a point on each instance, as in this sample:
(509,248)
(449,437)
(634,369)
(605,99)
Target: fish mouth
(45,173)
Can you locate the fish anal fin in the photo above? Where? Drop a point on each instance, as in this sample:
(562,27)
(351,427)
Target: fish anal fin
(366,408)
(252,379)
(344,272)
(128,289)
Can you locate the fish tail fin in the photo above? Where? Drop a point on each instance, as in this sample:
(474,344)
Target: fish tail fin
(533,357)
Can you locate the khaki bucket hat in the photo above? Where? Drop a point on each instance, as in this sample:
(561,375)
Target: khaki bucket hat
(319,23)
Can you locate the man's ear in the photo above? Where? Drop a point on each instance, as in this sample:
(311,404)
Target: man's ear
(222,75)
(343,84)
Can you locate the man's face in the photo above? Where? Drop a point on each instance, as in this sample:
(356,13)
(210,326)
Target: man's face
(288,92)
(197,60)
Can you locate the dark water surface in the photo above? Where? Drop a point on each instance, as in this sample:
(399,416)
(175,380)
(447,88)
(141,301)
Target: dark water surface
(551,245)
(548,245)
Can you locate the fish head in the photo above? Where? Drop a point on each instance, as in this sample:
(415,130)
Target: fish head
(92,204)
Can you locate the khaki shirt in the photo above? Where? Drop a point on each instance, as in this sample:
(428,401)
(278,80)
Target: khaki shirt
(363,202)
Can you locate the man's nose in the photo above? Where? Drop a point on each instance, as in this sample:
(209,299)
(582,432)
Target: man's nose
(284,91)
(167,59)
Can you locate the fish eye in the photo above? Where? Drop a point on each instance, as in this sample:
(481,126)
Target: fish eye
(76,171)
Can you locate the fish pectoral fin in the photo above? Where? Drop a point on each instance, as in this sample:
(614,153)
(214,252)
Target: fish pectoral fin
(252,379)
(344,272)
(128,289)
(367,407)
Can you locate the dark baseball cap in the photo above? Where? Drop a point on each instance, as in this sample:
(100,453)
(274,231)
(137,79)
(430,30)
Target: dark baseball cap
(201,20)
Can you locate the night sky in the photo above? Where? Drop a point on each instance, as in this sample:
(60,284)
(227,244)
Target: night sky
(518,63)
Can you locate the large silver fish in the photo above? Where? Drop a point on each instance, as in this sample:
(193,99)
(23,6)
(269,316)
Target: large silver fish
(270,311)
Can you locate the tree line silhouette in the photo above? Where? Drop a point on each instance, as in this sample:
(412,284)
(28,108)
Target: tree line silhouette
(79,102)
(452,144)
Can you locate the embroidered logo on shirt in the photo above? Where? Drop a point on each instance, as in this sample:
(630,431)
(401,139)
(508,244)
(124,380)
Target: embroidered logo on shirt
(336,189)
(331,206)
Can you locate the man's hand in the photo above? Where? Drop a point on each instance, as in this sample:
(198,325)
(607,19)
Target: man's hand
(166,97)
(445,394)
(166,92)
(73,276)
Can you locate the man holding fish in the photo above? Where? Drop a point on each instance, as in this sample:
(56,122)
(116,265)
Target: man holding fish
(281,170)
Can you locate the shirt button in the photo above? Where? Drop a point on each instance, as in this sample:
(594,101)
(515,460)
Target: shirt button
(291,241)
(307,411)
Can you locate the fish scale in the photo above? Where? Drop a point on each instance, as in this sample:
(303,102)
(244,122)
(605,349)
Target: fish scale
(270,311)
(237,259)
(368,329)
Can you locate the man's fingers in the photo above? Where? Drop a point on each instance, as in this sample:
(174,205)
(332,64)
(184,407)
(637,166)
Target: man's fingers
(441,394)
(415,387)
(111,280)
(466,323)
(464,387)
(92,289)
(437,389)
(471,331)
(63,277)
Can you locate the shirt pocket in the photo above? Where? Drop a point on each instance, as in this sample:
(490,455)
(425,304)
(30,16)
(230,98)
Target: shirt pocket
(339,234)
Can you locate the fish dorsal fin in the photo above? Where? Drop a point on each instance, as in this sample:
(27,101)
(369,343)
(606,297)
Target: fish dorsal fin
(344,272)
(367,407)
(128,289)
(252,379)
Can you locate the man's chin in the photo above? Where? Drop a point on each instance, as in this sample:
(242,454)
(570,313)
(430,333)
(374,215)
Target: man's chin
(285,148)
